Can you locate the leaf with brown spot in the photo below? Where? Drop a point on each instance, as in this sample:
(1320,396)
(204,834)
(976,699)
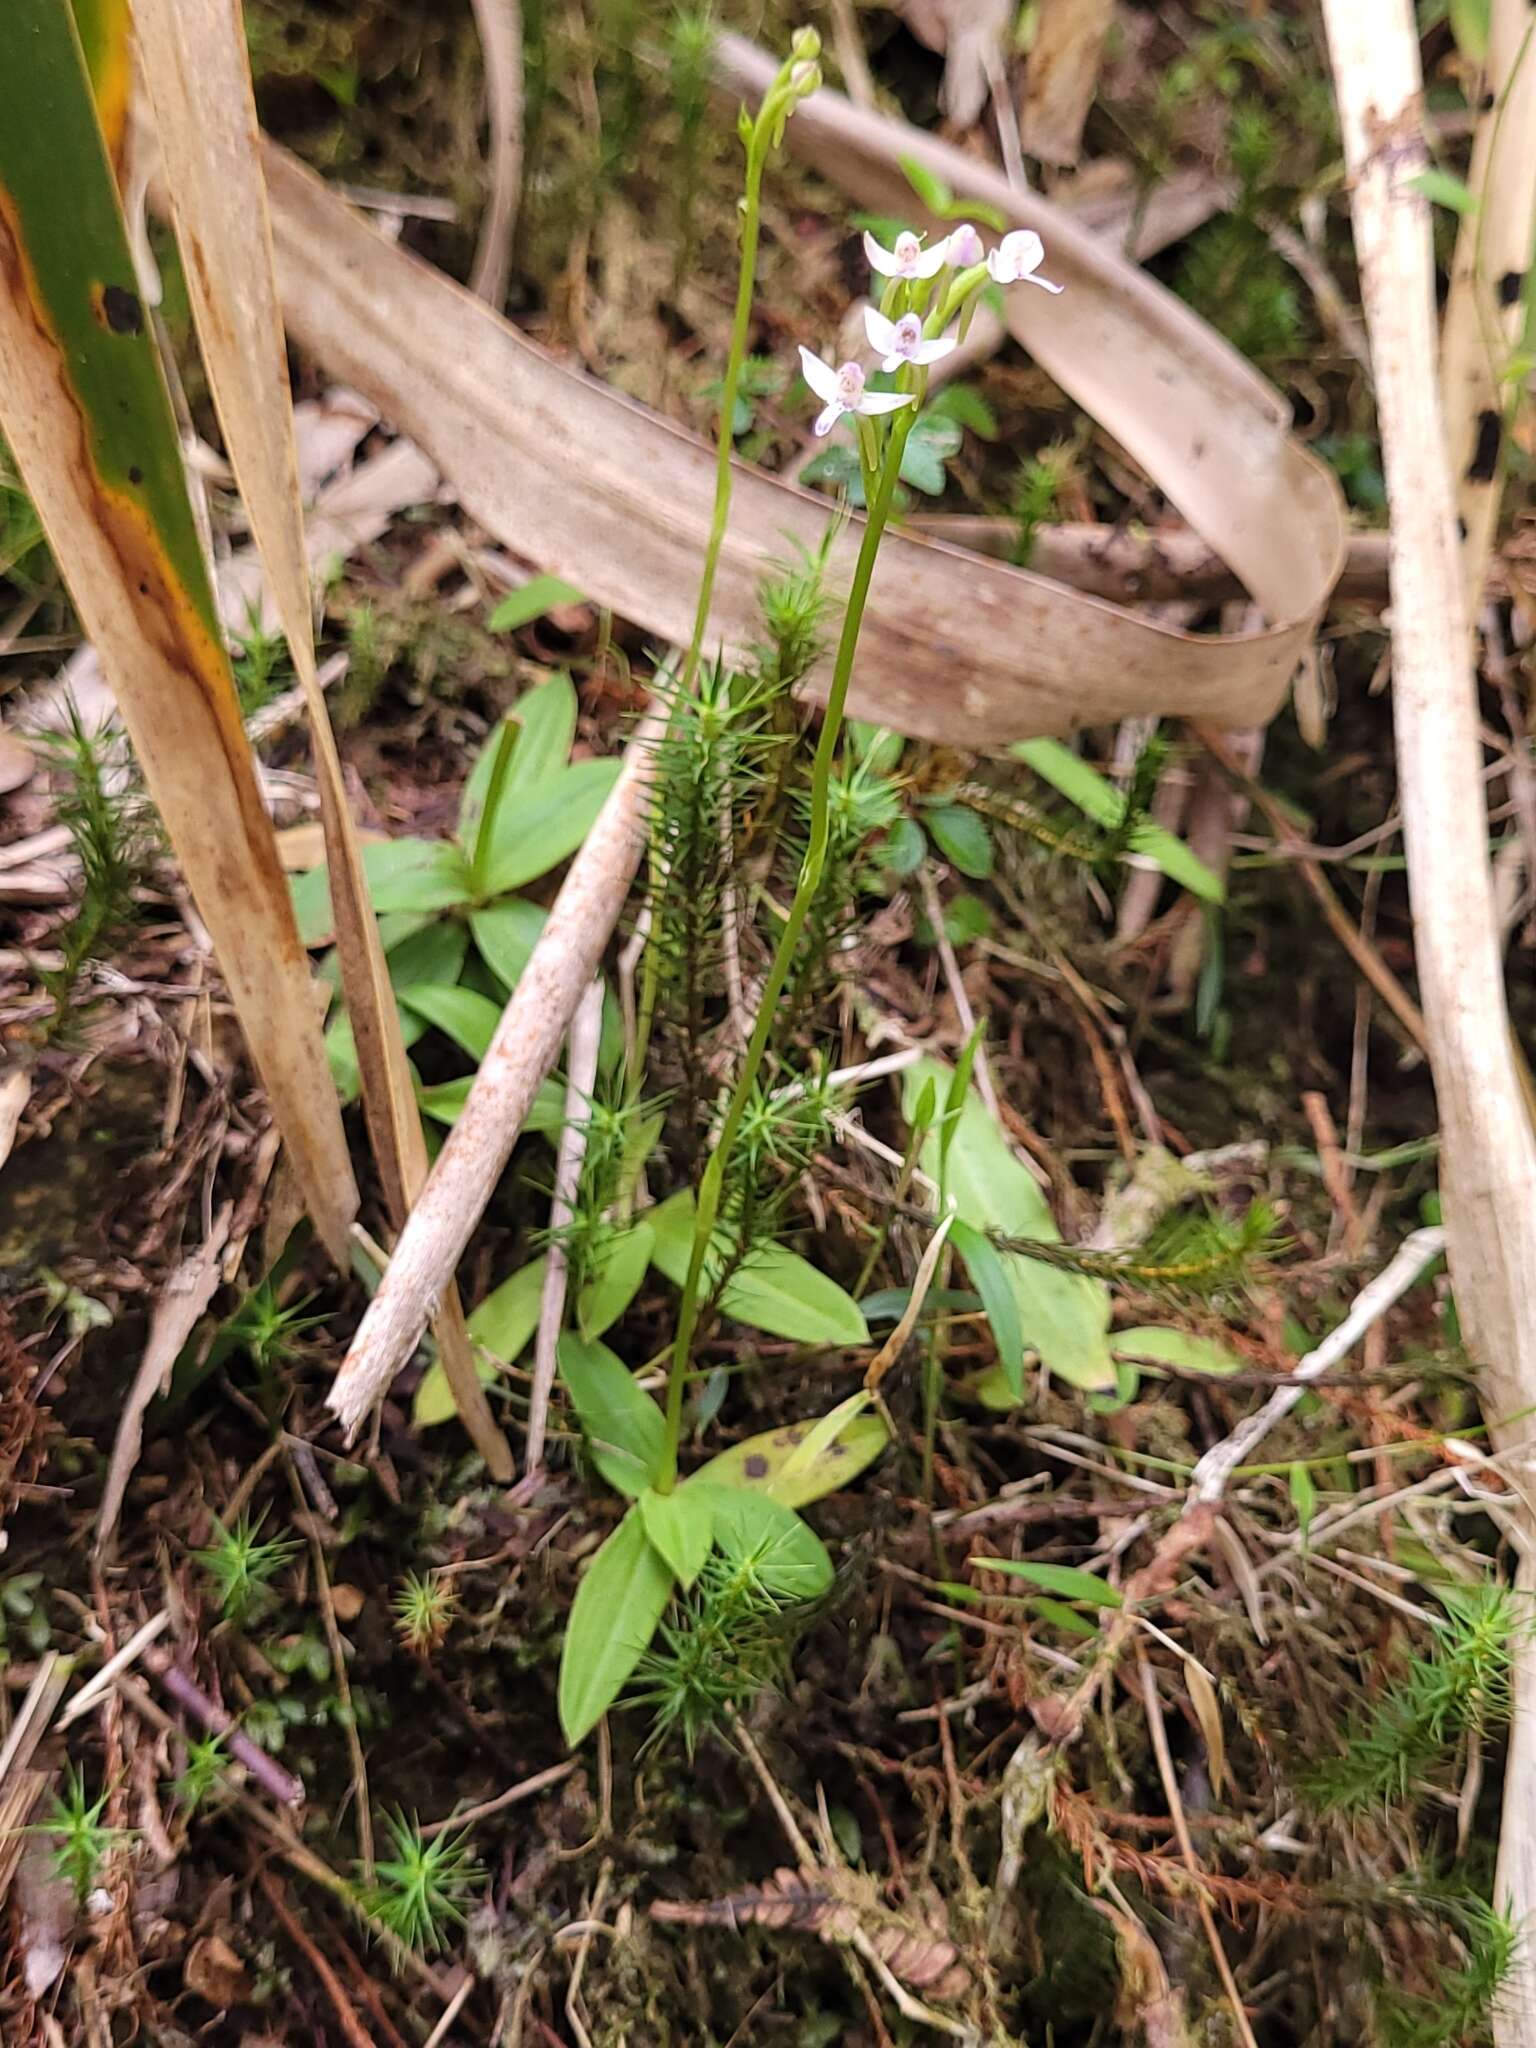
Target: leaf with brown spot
(84,408)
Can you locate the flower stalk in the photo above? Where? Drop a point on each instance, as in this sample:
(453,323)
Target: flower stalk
(926,289)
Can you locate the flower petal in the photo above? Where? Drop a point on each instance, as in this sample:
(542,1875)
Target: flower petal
(828,418)
(881,332)
(880,259)
(933,351)
(884,401)
(1044,284)
(821,376)
(933,260)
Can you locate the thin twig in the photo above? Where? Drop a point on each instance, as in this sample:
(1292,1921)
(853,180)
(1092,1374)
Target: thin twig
(1216,1467)
(522,1052)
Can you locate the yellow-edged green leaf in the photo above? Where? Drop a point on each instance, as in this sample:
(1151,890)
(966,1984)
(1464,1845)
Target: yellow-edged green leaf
(758,1463)
(84,409)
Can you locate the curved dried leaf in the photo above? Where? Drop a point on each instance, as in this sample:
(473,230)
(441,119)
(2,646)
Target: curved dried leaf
(954,648)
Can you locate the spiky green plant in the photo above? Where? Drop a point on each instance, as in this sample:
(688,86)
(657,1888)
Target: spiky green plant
(1452,1695)
(242,1567)
(1458,2013)
(207,1761)
(423,1605)
(114,838)
(423,1890)
(729,1638)
(82,1840)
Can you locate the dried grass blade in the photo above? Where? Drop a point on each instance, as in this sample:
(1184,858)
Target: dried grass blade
(198,75)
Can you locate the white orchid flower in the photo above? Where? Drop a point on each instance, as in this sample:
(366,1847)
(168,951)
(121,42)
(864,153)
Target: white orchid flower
(901,341)
(1016,259)
(842,390)
(909,259)
(965,247)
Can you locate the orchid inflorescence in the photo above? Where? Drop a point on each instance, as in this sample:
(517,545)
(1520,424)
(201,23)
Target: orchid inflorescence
(926,304)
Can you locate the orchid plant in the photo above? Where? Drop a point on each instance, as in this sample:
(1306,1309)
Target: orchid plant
(926,293)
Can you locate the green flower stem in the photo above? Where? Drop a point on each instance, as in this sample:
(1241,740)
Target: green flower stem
(811,869)
(759,139)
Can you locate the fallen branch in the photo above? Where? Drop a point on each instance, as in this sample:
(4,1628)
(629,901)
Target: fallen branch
(524,1049)
(1488,1151)
(1216,1468)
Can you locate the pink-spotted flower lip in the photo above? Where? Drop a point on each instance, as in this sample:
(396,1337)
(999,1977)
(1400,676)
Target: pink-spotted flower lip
(901,341)
(1017,258)
(842,390)
(965,247)
(908,259)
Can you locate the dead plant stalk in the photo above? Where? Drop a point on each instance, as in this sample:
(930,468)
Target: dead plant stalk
(1488,1148)
(527,1041)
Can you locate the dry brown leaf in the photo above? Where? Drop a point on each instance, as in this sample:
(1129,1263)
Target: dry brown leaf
(1202,1697)
(196,66)
(177,698)
(215,1972)
(589,486)
(1062,76)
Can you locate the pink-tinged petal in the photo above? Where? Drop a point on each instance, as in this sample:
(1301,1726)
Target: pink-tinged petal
(828,419)
(881,332)
(932,261)
(965,247)
(821,376)
(884,401)
(890,363)
(880,259)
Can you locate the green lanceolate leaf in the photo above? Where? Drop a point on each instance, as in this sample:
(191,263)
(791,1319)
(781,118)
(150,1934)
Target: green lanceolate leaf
(616,1279)
(984,1263)
(1062,1316)
(1177,1348)
(1063,1580)
(1100,801)
(540,594)
(681,1526)
(533,832)
(622,1596)
(758,1464)
(502,1325)
(461,1014)
(623,1425)
(775,1290)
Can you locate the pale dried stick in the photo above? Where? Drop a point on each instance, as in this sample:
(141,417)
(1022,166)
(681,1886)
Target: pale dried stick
(1488,1154)
(500,23)
(522,1052)
(586,1030)
(1485,309)
(1216,1468)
